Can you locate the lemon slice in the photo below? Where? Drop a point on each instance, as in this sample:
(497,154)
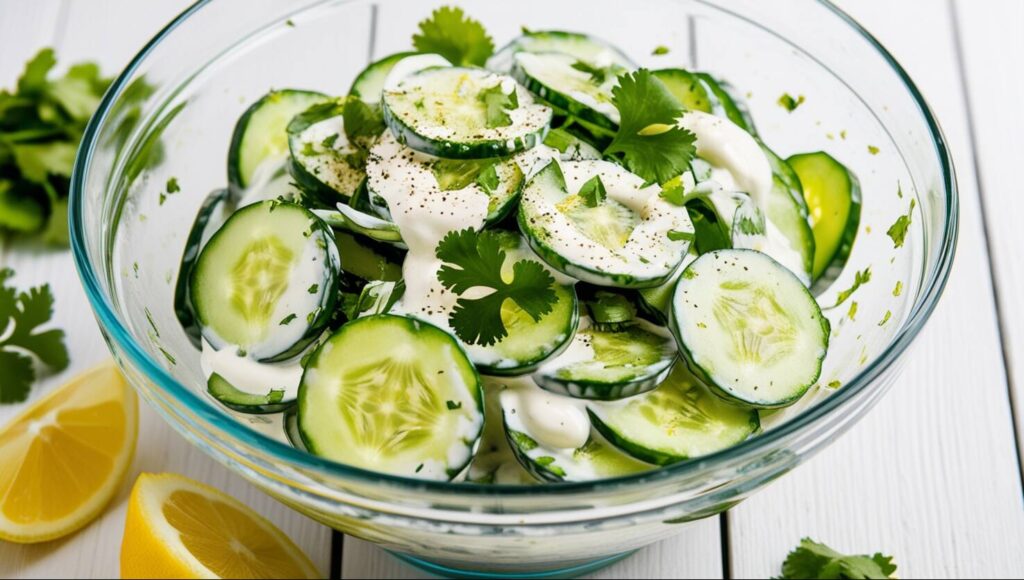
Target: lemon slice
(179,528)
(64,457)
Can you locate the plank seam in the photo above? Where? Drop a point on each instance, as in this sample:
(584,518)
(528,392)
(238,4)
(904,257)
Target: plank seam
(723,529)
(987,236)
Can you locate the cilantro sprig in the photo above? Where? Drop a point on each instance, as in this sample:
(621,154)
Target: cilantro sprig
(41,123)
(474,260)
(455,36)
(649,140)
(21,315)
(497,103)
(813,560)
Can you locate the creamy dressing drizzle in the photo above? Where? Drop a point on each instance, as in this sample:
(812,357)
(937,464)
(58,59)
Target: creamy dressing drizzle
(554,421)
(726,146)
(249,376)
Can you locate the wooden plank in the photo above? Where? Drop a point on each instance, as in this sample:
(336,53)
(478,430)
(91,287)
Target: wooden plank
(93,552)
(991,47)
(931,474)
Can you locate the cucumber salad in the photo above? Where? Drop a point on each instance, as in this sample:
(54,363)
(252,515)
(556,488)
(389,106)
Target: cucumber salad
(541,263)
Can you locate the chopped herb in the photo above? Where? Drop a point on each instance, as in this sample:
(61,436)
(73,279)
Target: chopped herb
(593,192)
(289,23)
(329,141)
(660,51)
(497,104)
(21,315)
(842,134)
(873,150)
(679,236)
(451,34)
(859,279)
(488,179)
(149,318)
(813,560)
(172,185)
(419,468)
(597,74)
(522,440)
(896,291)
(673,192)
(852,313)
(548,462)
(287,320)
(314,289)
(453,406)
(167,355)
(786,101)
(649,140)
(363,123)
(455,174)
(560,139)
(898,230)
(474,260)
(834,384)
(888,315)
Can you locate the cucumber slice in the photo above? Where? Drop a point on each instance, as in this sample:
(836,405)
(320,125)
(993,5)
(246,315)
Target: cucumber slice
(363,224)
(557,79)
(379,297)
(494,461)
(610,365)
(632,239)
(571,147)
(791,240)
(656,302)
(323,162)
(529,342)
(749,328)
(291,428)
(237,400)
(595,459)
(266,283)
(393,395)
(260,132)
(724,104)
(442,112)
(589,49)
(679,420)
(686,87)
(394,170)
(369,85)
(367,260)
(833,197)
(212,214)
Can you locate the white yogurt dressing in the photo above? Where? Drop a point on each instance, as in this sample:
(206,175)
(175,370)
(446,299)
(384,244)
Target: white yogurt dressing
(726,146)
(270,181)
(249,376)
(411,65)
(554,421)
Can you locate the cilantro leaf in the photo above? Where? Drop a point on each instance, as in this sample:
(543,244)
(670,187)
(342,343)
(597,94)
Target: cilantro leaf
(21,315)
(453,35)
(597,74)
(474,260)
(497,104)
(593,192)
(363,122)
(488,178)
(788,102)
(454,174)
(813,560)
(898,231)
(651,143)
(860,278)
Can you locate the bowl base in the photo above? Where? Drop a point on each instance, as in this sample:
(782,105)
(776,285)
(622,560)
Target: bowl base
(446,571)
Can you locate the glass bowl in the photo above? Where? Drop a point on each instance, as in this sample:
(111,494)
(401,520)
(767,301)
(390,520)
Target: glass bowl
(171,112)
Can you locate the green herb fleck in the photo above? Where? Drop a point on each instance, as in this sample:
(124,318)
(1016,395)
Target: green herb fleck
(834,384)
(673,192)
(314,289)
(597,74)
(898,230)
(172,185)
(289,23)
(852,313)
(898,289)
(287,320)
(167,355)
(149,318)
(888,315)
(522,440)
(859,279)
(497,104)
(873,150)
(786,101)
(680,236)
(593,192)
(488,179)
(453,406)
(419,468)
(329,141)
(661,50)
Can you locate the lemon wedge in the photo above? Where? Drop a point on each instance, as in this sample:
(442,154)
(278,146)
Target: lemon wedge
(64,457)
(179,528)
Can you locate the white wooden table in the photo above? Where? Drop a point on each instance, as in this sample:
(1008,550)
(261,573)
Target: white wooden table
(933,475)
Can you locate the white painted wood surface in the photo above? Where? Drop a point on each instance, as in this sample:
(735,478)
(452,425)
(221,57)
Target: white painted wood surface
(932,475)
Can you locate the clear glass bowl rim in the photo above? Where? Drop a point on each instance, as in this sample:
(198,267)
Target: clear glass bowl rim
(204,411)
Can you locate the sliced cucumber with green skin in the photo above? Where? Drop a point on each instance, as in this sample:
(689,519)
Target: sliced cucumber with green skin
(379,297)
(394,167)
(687,87)
(323,162)
(595,459)
(367,260)
(712,230)
(556,78)
(609,365)
(393,395)
(571,147)
(369,85)
(291,428)
(788,218)
(656,303)
(260,132)
(351,220)
(212,214)
(494,462)
(832,193)
(632,239)
(237,400)
(266,283)
(724,104)
(749,328)
(442,112)
(589,49)
(783,171)
(529,342)
(679,420)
